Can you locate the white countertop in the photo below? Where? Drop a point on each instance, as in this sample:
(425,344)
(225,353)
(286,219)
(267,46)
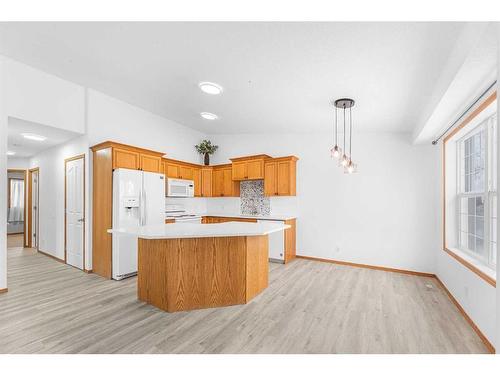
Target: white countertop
(192,230)
(258,217)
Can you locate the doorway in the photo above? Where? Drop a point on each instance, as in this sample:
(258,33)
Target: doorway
(33,210)
(16,207)
(74,208)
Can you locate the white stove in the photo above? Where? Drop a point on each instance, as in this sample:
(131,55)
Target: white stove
(179,214)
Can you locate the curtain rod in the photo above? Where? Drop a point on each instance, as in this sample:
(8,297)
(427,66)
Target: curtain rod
(434,142)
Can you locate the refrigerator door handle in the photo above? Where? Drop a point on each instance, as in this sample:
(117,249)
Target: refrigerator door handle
(141,205)
(145,208)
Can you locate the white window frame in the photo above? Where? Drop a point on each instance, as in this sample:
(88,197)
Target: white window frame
(488,193)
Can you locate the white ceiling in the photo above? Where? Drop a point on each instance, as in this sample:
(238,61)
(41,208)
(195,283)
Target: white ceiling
(476,73)
(276,76)
(26,148)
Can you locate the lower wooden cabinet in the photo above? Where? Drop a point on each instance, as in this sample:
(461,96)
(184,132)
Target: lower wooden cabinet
(289,241)
(219,219)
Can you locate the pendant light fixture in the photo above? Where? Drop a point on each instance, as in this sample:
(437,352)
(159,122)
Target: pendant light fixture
(345,158)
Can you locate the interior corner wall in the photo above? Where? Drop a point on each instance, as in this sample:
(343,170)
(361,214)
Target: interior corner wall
(383,215)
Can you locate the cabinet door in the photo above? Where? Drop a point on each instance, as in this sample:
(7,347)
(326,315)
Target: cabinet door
(186,173)
(270,177)
(125,159)
(218,183)
(171,170)
(230,188)
(239,170)
(255,169)
(227,189)
(284,178)
(197,182)
(150,163)
(206,182)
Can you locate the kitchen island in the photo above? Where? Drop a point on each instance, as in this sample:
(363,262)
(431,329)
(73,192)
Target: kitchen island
(195,266)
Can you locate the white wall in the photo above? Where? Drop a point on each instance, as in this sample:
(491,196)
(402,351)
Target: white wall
(17,163)
(384,215)
(113,119)
(51,193)
(43,98)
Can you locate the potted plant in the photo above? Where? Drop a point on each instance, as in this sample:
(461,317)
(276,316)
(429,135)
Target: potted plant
(206,148)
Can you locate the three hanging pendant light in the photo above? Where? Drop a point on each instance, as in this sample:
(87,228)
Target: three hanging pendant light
(345,158)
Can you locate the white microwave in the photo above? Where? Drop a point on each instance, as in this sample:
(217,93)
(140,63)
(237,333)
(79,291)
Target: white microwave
(180,188)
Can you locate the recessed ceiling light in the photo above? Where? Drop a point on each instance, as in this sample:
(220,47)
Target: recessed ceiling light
(10,153)
(209,116)
(34,137)
(210,88)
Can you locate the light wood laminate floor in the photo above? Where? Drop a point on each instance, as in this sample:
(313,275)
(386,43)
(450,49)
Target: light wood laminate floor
(309,307)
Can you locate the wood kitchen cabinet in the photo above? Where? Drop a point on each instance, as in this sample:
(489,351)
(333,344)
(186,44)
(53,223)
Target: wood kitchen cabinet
(179,169)
(280,176)
(206,182)
(132,158)
(223,219)
(150,163)
(106,157)
(248,167)
(222,182)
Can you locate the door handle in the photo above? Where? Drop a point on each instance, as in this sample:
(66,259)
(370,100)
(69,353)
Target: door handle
(81,220)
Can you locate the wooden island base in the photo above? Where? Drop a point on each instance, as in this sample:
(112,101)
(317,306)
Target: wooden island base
(196,273)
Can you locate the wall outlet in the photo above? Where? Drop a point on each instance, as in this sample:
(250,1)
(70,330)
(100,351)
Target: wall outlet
(337,249)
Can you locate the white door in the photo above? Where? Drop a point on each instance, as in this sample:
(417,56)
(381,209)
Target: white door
(34,210)
(75,217)
(153,198)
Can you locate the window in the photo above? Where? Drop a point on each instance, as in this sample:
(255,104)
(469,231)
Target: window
(470,191)
(476,192)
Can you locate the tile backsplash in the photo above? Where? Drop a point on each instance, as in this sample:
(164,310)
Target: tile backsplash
(252,199)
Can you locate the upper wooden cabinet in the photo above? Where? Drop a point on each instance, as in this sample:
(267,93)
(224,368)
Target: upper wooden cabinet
(248,167)
(280,176)
(206,182)
(151,163)
(130,157)
(179,169)
(222,182)
(126,159)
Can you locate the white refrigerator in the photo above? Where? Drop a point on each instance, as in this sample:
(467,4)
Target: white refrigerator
(138,200)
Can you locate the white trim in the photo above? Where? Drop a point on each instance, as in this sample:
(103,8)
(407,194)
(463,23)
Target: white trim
(475,262)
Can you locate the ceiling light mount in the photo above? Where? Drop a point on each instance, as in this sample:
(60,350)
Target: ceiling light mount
(209,116)
(34,137)
(344,103)
(210,88)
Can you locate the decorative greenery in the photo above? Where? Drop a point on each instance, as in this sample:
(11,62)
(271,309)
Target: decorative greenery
(206,147)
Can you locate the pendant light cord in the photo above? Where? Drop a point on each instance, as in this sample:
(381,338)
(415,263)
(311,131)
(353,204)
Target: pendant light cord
(350,133)
(344,129)
(336,128)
